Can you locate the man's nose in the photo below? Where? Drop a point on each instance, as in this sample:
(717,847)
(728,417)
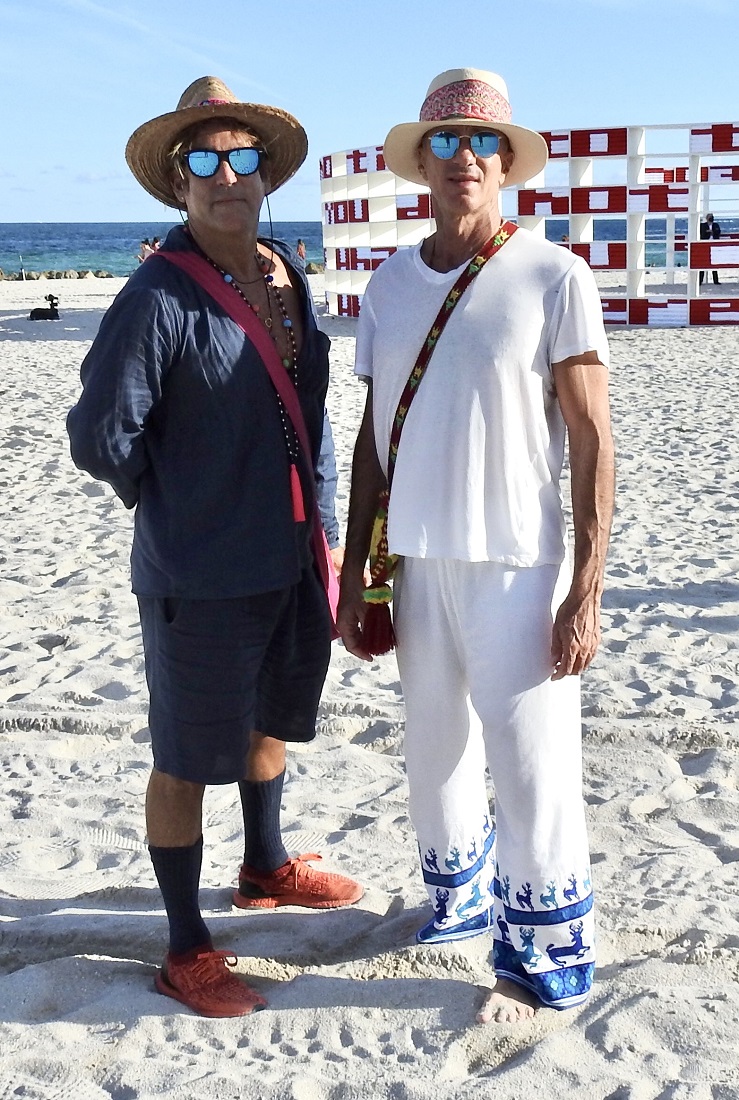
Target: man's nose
(464,152)
(225,173)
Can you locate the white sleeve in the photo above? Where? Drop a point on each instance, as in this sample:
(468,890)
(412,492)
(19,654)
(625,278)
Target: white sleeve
(366,327)
(577,323)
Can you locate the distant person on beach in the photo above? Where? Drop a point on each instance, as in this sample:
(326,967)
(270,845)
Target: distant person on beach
(156,244)
(300,249)
(145,250)
(709,230)
(203,406)
(483,347)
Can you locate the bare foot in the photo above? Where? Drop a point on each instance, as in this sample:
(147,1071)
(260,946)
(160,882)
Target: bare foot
(507,1003)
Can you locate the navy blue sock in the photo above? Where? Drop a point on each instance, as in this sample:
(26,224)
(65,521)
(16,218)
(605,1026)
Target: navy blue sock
(260,803)
(178,874)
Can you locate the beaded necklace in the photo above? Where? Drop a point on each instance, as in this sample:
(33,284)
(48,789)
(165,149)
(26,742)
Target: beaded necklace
(290,362)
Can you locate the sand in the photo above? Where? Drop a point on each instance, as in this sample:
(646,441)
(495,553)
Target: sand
(356,1009)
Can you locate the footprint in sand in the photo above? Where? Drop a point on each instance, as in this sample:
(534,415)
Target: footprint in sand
(115,691)
(93,489)
(42,1082)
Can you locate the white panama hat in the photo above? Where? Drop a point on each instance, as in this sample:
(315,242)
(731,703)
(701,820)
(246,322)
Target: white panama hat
(465,97)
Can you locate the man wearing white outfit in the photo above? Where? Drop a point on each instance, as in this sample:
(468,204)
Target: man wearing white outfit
(493,624)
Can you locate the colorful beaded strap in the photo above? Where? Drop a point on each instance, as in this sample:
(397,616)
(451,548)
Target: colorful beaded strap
(377,631)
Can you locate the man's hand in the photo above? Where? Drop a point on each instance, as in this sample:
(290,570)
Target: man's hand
(575,634)
(337,557)
(350,617)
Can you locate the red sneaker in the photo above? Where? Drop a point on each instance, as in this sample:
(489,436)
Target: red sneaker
(295,883)
(202,981)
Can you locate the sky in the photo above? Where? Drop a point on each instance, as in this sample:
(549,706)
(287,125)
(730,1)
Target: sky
(78,76)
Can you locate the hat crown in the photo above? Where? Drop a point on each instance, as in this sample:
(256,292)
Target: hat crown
(473,94)
(206,91)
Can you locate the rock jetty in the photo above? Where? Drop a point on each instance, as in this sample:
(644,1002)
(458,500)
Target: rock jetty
(29,276)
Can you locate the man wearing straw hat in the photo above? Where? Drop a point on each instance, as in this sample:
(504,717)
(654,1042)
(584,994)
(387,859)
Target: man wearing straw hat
(483,347)
(203,406)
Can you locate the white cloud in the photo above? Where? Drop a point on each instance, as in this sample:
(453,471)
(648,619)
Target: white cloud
(208,62)
(99,177)
(111,14)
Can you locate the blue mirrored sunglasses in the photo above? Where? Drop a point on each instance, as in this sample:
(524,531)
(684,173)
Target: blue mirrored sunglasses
(206,162)
(444,145)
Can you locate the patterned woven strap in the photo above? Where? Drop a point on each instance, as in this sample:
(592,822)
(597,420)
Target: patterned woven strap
(382,564)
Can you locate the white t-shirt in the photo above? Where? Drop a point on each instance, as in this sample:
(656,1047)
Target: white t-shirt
(480,456)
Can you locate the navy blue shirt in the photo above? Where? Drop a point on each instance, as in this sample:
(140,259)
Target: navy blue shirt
(178,414)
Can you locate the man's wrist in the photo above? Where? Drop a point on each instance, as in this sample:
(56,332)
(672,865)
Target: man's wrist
(353,570)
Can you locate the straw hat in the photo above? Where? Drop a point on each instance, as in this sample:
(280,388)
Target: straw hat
(465,97)
(149,147)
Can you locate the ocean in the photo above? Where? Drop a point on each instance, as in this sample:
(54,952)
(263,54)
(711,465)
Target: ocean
(112,246)
(614,229)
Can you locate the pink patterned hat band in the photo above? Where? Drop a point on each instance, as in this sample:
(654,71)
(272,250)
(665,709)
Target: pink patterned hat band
(466,99)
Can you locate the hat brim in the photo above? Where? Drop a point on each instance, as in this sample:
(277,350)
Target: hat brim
(401,148)
(149,147)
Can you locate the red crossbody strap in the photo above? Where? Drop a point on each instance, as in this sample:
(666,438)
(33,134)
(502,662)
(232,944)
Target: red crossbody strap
(200,270)
(208,278)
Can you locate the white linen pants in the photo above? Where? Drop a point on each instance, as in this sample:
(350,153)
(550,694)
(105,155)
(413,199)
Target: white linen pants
(474,656)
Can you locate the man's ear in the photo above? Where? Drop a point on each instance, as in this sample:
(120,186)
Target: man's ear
(178,187)
(419,154)
(506,161)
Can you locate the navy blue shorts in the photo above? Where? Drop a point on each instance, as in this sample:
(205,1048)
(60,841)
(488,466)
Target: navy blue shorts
(217,669)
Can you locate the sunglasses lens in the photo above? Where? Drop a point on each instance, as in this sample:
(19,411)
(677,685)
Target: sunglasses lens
(202,163)
(205,162)
(444,145)
(244,161)
(484,145)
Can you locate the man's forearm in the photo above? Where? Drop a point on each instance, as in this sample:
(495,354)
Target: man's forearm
(582,391)
(368,481)
(101,448)
(592,480)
